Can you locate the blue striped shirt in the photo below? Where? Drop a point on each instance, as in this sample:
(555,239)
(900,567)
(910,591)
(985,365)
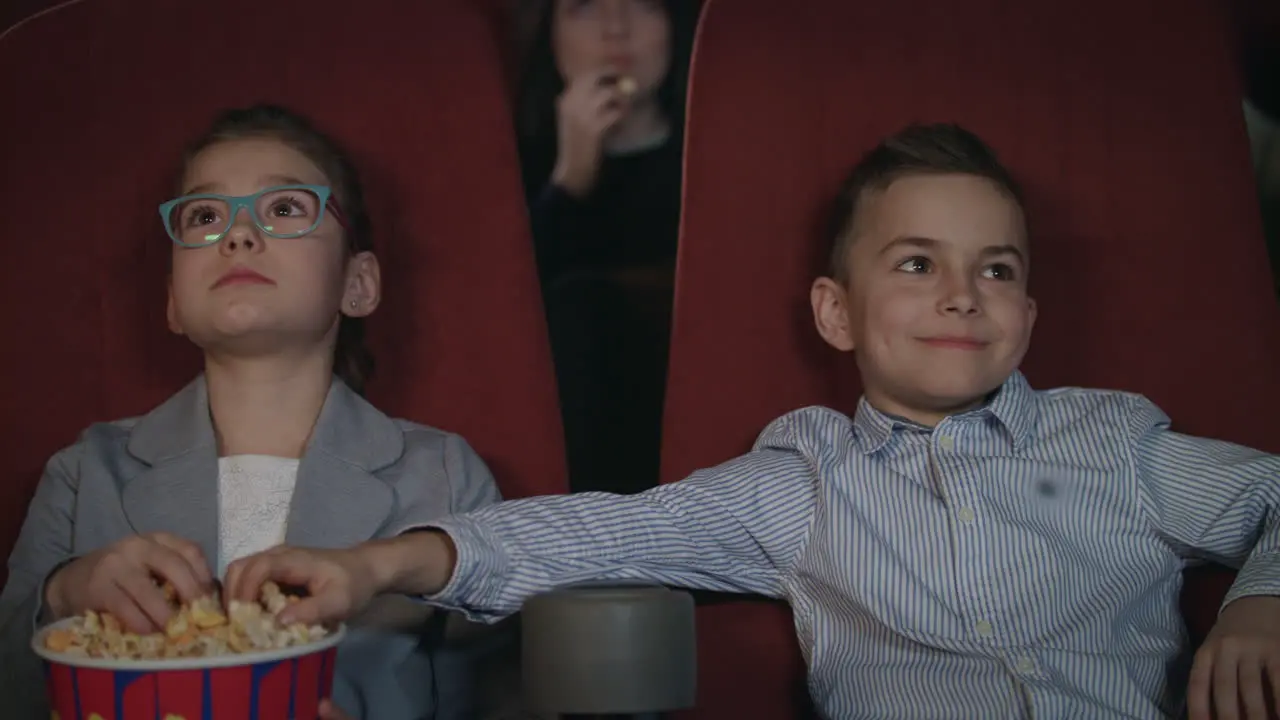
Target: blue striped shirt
(1021,560)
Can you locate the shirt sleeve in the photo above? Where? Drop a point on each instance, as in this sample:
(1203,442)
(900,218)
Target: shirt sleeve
(737,527)
(44,545)
(1211,498)
(450,479)
(471,484)
(443,464)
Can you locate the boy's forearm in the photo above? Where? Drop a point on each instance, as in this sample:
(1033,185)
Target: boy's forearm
(416,563)
(734,528)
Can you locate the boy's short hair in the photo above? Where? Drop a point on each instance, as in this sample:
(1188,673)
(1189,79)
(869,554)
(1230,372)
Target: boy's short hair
(936,149)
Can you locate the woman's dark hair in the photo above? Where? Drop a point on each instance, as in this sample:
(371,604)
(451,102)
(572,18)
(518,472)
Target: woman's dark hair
(352,361)
(540,82)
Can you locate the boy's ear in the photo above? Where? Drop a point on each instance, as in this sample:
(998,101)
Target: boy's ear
(830,301)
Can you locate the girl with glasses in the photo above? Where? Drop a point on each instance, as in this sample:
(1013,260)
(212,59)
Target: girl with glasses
(272,276)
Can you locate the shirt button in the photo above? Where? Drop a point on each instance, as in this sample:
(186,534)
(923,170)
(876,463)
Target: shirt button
(946,442)
(967,515)
(984,629)
(1025,665)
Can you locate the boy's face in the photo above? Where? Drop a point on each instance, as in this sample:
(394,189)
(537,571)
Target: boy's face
(936,306)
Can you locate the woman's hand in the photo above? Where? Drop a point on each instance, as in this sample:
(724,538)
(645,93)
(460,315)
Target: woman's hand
(121,579)
(588,108)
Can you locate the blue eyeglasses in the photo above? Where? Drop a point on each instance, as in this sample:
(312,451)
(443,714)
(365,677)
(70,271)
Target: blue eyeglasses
(284,211)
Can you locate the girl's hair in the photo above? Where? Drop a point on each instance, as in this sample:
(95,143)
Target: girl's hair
(540,82)
(352,361)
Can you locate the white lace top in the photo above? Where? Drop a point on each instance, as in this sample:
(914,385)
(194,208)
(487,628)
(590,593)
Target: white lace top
(254,492)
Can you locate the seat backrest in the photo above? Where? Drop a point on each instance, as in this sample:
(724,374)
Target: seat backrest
(415,91)
(1149,265)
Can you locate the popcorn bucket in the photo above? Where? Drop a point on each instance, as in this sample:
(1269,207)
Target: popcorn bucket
(285,684)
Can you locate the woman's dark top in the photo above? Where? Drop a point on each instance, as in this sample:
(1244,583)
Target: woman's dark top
(607,265)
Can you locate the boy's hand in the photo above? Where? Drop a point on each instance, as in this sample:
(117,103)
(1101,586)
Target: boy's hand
(1236,675)
(339,583)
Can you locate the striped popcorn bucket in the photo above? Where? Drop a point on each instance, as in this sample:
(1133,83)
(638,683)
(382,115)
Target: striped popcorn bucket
(286,684)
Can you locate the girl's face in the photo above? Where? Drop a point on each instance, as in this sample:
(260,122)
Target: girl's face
(628,37)
(253,293)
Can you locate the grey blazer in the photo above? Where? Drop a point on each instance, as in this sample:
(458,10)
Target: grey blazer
(363,476)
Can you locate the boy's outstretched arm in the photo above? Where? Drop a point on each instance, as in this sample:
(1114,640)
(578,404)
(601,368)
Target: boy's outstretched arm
(734,528)
(1211,498)
(1222,501)
(738,527)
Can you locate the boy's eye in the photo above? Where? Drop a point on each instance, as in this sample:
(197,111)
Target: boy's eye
(915,264)
(999,271)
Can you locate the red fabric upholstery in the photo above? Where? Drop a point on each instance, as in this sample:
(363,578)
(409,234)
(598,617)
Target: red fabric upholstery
(90,148)
(1148,260)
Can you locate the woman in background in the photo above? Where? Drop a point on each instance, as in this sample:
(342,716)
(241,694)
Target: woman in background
(600,117)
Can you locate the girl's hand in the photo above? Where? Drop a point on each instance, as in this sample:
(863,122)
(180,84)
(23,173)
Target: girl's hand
(588,108)
(121,579)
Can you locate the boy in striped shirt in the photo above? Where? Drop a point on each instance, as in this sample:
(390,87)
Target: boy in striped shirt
(964,546)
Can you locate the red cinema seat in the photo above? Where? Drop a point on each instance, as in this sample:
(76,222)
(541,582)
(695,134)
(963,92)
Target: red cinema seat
(414,90)
(1149,265)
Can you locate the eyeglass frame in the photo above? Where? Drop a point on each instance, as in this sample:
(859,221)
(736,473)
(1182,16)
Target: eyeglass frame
(236,203)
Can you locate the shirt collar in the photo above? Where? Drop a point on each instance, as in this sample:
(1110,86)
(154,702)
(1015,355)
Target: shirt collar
(1013,406)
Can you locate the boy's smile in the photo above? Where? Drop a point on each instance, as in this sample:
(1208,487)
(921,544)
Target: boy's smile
(936,306)
(952,342)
